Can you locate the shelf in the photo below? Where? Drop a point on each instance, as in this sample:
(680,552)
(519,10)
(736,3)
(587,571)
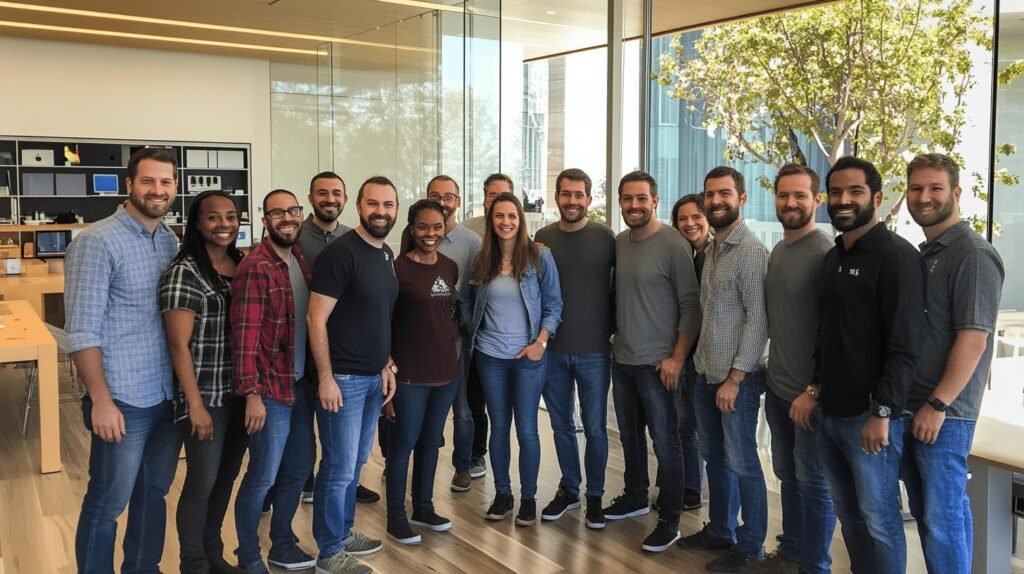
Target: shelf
(213,168)
(68,166)
(24,197)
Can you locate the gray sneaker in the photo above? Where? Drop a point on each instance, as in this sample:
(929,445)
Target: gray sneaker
(479,468)
(461,481)
(360,545)
(341,563)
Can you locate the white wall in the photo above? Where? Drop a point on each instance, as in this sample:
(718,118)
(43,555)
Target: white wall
(62,89)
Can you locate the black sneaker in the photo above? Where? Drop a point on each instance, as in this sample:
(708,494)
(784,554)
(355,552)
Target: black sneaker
(426,517)
(501,507)
(400,531)
(626,507)
(595,515)
(703,540)
(730,562)
(691,500)
(665,535)
(562,502)
(290,558)
(527,513)
(365,495)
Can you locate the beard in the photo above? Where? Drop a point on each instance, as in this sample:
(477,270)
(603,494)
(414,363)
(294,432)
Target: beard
(644,220)
(139,203)
(726,219)
(376,231)
(861,216)
(282,240)
(939,215)
(326,217)
(802,219)
(570,219)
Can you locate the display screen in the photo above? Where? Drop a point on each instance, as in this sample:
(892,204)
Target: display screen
(52,243)
(104,183)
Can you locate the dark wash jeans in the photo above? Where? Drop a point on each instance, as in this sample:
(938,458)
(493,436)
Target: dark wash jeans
(469,436)
(689,438)
(212,467)
(640,398)
(136,472)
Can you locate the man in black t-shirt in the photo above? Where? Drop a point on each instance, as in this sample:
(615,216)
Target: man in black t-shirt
(352,299)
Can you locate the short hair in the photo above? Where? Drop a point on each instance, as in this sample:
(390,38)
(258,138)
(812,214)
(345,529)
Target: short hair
(443,177)
(694,198)
(797,169)
(639,175)
(573,174)
(376,180)
(936,161)
(726,171)
(278,191)
(328,175)
(160,154)
(874,179)
(499,177)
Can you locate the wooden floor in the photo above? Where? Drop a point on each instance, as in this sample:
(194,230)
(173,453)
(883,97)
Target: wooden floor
(38,515)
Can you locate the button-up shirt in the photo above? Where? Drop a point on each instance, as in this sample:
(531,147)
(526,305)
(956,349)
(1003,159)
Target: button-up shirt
(111,281)
(734,330)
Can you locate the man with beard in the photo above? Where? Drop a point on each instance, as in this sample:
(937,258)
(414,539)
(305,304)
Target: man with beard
(269,295)
(578,359)
(965,277)
(117,341)
(461,245)
(872,322)
(353,296)
(494,185)
(657,311)
(791,294)
(730,377)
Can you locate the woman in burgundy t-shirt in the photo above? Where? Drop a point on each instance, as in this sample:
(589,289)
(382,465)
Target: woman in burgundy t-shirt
(423,345)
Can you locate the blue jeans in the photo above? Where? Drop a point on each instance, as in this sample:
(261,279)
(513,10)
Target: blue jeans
(640,397)
(865,491)
(136,472)
(808,519)
(462,417)
(420,413)
(512,389)
(346,439)
(728,442)
(936,480)
(592,376)
(687,423)
(281,454)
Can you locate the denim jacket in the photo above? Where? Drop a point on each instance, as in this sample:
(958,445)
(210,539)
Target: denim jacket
(541,293)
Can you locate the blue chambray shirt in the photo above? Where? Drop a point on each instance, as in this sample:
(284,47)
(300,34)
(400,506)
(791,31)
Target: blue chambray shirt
(111,286)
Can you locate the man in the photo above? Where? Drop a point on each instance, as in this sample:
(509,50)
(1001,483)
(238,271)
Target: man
(791,294)
(116,336)
(494,185)
(269,295)
(578,358)
(965,277)
(657,317)
(353,295)
(461,245)
(872,321)
(730,377)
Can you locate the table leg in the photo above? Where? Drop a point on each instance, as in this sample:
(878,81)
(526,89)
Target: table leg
(49,409)
(990,490)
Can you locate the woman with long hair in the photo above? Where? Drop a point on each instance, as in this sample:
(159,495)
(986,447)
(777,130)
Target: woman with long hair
(194,299)
(423,346)
(514,306)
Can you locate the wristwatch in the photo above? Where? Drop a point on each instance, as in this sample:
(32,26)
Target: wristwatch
(880,411)
(937,404)
(544,345)
(812,391)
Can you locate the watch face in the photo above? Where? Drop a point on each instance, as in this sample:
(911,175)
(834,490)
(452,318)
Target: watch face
(882,411)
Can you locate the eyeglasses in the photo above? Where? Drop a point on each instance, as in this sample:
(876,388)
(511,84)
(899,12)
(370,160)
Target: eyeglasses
(295,211)
(449,197)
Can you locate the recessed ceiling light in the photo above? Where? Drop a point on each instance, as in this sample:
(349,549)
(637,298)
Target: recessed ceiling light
(427,5)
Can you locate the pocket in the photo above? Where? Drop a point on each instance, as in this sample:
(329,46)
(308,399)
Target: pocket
(87,412)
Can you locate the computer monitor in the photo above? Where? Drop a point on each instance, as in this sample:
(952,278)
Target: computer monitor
(244,236)
(52,243)
(105,183)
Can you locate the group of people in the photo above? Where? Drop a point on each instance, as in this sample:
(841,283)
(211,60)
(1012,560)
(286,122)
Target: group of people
(871,357)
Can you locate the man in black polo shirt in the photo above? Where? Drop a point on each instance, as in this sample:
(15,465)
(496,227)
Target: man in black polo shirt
(872,323)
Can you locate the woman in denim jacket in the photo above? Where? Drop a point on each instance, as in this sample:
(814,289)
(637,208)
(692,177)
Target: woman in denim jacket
(514,305)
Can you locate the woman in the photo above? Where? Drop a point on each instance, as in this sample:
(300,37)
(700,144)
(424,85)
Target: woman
(514,306)
(194,298)
(423,346)
(688,217)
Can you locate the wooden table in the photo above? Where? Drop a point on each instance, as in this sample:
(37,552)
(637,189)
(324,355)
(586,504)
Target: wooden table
(24,337)
(995,455)
(32,288)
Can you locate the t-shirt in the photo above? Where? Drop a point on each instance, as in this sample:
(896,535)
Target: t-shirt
(965,279)
(505,328)
(424,330)
(585,260)
(362,278)
(791,298)
(300,293)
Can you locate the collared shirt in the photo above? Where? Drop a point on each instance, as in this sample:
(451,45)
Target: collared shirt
(734,330)
(112,276)
(313,238)
(263,324)
(183,286)
(872,323)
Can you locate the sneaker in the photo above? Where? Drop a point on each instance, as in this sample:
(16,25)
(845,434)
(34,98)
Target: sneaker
(774,563)
(562,502)
(704,540)
(365,495)
(595,515)
(399,530)
(341,563)
(731,562)
(479,467)
(255,568)
(461,481)
(307,496)
(218,565)
(360,545)
(625,507)
(665,535)
(290,558)
(501,507)
(429,519)
(691,500)
(527,513)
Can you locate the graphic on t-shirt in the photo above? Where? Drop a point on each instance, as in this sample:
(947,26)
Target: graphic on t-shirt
(440,288)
